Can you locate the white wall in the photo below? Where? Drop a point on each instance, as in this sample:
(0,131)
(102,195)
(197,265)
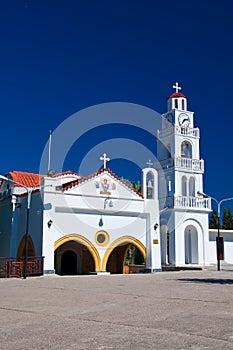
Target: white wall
(228,246)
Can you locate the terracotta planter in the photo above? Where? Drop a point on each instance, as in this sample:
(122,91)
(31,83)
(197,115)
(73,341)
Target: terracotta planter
(126,269)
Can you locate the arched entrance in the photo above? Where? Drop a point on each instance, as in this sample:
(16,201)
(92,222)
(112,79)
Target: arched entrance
(21,248)
(73,258)
(191,245)
(75,255)
(125,251)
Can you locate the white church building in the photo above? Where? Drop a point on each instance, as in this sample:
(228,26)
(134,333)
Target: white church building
(86,225)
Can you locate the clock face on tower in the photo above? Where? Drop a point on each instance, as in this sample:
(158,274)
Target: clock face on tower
(184,120)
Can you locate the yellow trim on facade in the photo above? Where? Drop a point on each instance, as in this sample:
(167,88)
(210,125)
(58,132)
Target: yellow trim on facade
(82,240)
(122,240)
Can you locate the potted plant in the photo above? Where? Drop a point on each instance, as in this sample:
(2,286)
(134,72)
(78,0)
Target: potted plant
(126,266)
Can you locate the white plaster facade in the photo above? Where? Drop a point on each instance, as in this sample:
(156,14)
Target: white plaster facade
(90,222)
(75,213)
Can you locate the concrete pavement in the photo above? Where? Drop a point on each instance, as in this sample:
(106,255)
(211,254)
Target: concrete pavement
(167,310)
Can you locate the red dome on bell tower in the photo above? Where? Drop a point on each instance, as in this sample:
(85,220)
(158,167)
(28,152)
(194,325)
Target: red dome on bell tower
(177,100)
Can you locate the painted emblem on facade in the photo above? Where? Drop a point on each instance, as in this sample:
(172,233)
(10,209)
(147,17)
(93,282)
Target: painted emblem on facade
(105,186)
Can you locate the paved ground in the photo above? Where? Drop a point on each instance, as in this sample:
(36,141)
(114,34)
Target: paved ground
(169,310)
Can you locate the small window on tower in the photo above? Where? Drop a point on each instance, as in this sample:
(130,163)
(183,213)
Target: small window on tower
(183,105)
(150,185)
(176,103)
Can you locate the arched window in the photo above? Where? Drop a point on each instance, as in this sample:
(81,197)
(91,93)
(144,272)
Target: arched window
(182,104)
(176,103)
(192,192)
(169,184)
(149,185)
(184,186)
(186,149)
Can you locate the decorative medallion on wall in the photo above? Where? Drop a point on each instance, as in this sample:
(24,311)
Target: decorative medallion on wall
(105,186)
(101,238)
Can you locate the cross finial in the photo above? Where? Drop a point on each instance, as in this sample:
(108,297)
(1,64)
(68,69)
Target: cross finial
(177,87)
(105,159)
(149,163)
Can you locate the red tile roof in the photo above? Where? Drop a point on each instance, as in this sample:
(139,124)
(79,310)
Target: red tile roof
(68,172)
(177,94)
(31,180)
(27,179)
(74,183)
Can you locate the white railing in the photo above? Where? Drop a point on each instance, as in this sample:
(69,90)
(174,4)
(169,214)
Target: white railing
(189,164)
(195,132)
(178,130)
(185,202)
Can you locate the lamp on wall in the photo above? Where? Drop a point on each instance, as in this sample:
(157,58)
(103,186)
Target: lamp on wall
(156,226)
(18,205)
(50,223)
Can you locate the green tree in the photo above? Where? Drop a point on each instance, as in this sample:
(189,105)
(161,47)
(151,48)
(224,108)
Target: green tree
(136,186)
(227,219)
(213,220)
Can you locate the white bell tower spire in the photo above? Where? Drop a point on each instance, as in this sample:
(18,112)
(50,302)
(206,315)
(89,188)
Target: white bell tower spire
(184,215)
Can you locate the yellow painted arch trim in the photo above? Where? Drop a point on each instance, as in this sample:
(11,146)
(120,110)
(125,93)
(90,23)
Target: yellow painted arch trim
(123,240)
(82,240)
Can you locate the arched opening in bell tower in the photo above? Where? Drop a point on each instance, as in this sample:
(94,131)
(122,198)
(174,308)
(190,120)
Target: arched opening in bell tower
(191,245)
(192,191)
(184,185)
(186,149)
(149,185)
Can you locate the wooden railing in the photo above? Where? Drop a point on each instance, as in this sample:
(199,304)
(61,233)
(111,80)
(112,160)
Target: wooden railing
(12,267)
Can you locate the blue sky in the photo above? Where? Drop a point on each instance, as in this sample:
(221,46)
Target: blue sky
(60,56)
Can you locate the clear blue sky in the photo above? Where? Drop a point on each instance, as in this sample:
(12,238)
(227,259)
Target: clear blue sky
(60,56)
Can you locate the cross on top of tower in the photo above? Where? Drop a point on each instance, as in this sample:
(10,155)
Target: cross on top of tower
(105,159)
(177,87)
(149,163)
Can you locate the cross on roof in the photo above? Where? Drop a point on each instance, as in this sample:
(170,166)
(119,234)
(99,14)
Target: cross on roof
(105,159)
(149,163)
(177,87)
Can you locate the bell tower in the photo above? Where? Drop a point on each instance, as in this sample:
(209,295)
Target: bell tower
(184,215)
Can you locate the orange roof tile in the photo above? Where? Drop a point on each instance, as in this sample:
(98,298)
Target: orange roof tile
(27,179)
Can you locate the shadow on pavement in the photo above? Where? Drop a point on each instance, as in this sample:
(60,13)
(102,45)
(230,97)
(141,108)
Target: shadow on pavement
(207,280)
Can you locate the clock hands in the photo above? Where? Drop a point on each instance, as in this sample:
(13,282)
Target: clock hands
(184,120)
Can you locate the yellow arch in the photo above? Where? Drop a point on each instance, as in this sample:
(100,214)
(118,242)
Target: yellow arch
(21,248)
(122,240)
(82,240)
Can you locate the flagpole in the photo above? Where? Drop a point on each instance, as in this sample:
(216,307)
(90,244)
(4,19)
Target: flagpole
(50,142)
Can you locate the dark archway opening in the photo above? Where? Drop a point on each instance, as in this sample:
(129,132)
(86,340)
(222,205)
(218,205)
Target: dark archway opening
(125,255)
(69,263)
(73,258)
